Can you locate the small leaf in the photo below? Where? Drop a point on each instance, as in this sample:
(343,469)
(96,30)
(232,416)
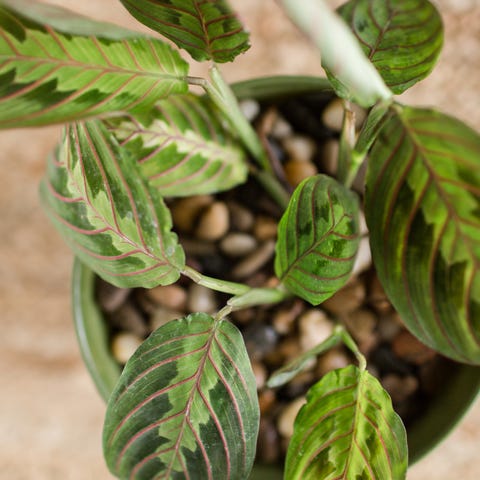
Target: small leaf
(72,68)
(317,239)
(182,148)
(347,430)
(403,38)
(351,74)
(96,198)
(207,29)
(185,406)
(423,212)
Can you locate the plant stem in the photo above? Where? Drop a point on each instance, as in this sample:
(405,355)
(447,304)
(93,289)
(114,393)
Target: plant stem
(273,187)
(258,296)
(215,283)
(347,142)
(349,342)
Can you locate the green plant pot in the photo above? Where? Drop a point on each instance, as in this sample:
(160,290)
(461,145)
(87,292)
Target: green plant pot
(442,414)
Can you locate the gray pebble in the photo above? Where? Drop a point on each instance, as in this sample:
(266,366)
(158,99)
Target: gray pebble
(201,299)
(250,109)
(255,260)
(110,298)
(129,318)
(238,244)
(242,219)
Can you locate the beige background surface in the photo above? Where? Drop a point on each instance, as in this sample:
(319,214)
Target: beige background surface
(50,414)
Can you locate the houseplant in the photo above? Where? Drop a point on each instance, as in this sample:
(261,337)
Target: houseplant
(56,87)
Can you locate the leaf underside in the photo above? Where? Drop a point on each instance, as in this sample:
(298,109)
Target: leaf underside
(182,148)
(98,201)
(317,239)
(402,38)
(185,406)
(47,76)
(423,212)
(206,29)
(347,430)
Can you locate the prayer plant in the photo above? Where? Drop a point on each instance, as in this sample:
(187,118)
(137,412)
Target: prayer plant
(186,403)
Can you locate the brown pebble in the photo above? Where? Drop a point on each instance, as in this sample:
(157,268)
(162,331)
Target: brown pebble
(260,373)
(409,348)
(281,128)
(287,350)
(161,316)
(299,148)
(265,228)
(124,346)
(170,296)
(287,417)
(332,116)
(284,318)
(377,297)
(314,327)
(347,299)
(238,244)
(109,297)
(266,400)
(362,326)
(329,159)
(268,444)
(186,210)
(332,360)
(400,388)
(389,326)
(214,222)
(241,218)
(296,171)
(201,299)
(255,260)
(129,319)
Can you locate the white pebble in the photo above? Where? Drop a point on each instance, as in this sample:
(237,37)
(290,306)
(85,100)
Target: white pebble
(238,244)
(250,109)
(201,299)
(315,327)
(363,260)
(300,148)
(124,346)
(281,128)
(286,419)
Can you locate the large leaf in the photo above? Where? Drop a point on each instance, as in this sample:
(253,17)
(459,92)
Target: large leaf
(207,29)
(317,239)
(347,430)
(72,68)
(403,38)
(352,75)
(423,212)
(185,406)
(95,196)
(182,148)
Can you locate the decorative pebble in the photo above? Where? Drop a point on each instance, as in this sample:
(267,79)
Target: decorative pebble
(361,324)
(330,156)
(265,228)
(268,444)
(281,129)
(260,339)
(377,297)
(124,345)
(287,350)
(255,260)
(332,116)
(201,299)
(347,299)
(260,373)
(214,222)
(287,417)
(163,316)
(409,348)
(242,219)
(363,260)
(250,109)
(400,388)
(129,319)
(332,360)
(109,297)
(186,210)
(284,318)
(389,327)
(266,400)
(296,171)
(299,148)
(314,327)
(170,296)
(238,244)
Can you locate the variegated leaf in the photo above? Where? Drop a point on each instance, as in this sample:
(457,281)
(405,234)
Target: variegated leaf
(403,38)
(70,68)
(185,406)
(206,29)
(423,213)
(317,239)
(182,148)
(347,430)
(97,199)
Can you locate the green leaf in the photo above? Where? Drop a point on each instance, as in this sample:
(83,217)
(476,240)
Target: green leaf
(351,74)
(403,38)
(423,212)
(347,430)
(182,148)
(317,239)
(97,199)
(206,29)
(48,75)
(185,406)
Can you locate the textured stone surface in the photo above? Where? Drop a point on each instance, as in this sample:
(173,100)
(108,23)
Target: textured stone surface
(50,415)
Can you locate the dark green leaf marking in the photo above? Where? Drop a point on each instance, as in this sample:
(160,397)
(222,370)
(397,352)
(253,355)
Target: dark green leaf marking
(97,199)
(183,148)
(317,239)
(347,430)
(423,212)
(49,76)
(403,38)
(206,29)
(185,406)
